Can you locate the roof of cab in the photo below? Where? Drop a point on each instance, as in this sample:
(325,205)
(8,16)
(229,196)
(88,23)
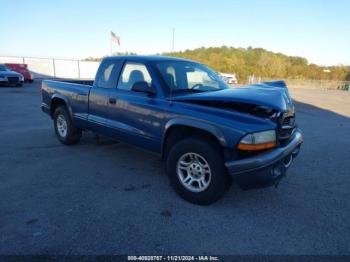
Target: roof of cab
(142,58)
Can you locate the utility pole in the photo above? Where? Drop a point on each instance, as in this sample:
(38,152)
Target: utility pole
(173,45)
(78,69)
(54,67)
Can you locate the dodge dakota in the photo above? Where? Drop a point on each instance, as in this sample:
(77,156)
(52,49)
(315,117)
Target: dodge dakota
(207,133)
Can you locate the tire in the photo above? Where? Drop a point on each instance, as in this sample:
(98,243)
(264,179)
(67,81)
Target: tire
(179,162)
(66,132)
(20,84)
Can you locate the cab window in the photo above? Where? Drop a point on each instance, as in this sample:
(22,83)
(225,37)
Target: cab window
(132,73)
(108,74)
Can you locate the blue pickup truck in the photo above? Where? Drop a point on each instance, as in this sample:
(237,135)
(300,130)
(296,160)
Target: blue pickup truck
(208,134)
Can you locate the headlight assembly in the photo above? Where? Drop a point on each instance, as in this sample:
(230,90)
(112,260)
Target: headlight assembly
(258,141)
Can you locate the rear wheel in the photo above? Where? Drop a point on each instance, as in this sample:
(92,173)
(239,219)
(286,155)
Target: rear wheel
(65,130)
(197,172)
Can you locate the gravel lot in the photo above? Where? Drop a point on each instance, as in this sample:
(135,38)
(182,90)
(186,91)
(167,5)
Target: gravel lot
(105,197)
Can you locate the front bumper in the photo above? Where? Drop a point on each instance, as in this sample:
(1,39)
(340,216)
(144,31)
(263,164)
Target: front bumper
(265,169)
(45,108)
(11,81)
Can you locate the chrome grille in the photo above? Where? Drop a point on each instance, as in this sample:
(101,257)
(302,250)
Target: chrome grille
(286,126)
(288,122)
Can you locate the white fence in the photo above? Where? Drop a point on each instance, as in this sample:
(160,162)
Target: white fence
(55,68)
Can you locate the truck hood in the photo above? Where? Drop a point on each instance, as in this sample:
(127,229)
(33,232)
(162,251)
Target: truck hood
(272,95)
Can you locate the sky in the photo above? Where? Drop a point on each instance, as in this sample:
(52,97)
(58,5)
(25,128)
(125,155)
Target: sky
(315,29)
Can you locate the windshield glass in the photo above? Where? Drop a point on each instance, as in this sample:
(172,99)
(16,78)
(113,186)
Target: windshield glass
(3,68)
(183,76)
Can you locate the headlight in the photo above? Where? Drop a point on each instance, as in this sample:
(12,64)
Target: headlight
(22,78)
(258,141)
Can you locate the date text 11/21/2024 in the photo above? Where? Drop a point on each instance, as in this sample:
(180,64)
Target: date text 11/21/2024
(173,258)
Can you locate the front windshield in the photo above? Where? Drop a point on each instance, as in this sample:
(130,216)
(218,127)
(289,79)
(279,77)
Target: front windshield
(183,76)
(3,68)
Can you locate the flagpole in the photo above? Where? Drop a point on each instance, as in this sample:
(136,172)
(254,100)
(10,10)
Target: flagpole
(173,44)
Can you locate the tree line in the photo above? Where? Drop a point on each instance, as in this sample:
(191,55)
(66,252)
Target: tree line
(260,63)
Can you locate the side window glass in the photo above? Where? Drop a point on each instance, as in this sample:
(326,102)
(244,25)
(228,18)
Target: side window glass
(108,76)
(133,73)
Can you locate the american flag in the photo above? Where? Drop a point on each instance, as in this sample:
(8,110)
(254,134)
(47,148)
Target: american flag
(115,38)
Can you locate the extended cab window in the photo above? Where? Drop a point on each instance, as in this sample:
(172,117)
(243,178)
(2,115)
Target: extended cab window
(108,74)
(132,73)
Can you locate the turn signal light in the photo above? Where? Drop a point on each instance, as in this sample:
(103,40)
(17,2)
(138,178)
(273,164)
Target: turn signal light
(256,147)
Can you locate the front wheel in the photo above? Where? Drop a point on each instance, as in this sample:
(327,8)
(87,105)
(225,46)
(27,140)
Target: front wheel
(197,172)
(65,130)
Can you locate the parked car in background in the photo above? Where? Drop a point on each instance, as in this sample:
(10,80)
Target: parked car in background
(230,79)
(9,77)
(23,70)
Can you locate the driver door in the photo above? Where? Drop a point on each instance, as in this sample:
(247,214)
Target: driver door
(135,117)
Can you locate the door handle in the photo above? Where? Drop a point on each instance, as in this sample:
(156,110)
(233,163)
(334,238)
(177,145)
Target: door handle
(112,100)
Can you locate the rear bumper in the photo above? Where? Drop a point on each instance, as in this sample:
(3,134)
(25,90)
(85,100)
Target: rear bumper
(265,169)
(28,77)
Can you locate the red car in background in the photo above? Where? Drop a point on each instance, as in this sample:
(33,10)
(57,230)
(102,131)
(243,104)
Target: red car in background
(22,69)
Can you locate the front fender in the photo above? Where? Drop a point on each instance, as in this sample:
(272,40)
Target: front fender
(205,126)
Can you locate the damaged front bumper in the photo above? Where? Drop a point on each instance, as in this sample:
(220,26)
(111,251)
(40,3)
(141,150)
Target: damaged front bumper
(265,169)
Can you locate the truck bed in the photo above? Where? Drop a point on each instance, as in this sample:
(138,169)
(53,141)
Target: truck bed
(75,93)
(76,81)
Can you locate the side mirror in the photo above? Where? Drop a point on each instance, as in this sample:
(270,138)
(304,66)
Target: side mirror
(143,87)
